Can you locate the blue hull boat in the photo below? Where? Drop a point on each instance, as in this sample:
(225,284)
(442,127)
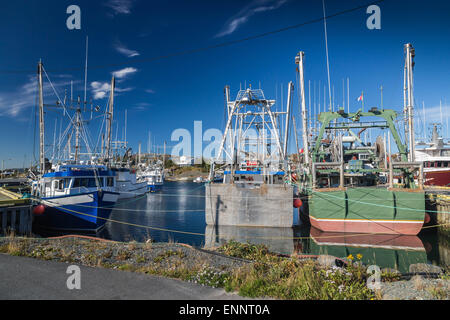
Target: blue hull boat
(86,212)
(75,198)
(154,187)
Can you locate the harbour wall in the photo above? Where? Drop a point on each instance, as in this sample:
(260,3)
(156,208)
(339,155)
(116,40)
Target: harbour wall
(438,206)
(250,206)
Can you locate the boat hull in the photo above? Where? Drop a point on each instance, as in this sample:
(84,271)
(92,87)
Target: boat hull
(132,190)
(439,178)
(154,187)
(367,210)
(87,212)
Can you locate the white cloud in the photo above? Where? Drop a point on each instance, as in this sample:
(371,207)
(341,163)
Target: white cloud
(101,90)
(120,74)
(125,51)
(150,91)
(256,6)
(120,6)
(12,103)
(142,106)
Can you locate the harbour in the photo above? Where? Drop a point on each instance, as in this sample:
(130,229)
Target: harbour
(178,166)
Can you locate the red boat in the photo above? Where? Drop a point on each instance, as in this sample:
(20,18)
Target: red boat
(436,160)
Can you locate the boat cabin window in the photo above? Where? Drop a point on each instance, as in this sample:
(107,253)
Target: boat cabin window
(84,182)
(59,185)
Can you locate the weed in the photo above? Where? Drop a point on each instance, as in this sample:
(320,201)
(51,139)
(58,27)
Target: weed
(167,254)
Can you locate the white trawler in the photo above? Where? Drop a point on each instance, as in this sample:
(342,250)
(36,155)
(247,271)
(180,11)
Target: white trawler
(152,175)
(435,156)
(73,194)
(127,184)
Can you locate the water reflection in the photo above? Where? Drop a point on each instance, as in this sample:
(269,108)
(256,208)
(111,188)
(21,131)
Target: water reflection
(178,207)
(276,239)
(385,251)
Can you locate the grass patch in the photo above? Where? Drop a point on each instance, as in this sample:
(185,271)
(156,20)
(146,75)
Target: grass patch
(289,278)
(438,292)
(167,254)
(15,248)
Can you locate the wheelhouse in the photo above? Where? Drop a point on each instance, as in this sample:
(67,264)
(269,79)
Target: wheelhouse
(76,179)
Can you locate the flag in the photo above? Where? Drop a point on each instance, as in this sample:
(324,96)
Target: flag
(361,98)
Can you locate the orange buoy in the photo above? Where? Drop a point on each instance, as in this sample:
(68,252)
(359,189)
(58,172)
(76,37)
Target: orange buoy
(39,210)
(297,203)
(294,176)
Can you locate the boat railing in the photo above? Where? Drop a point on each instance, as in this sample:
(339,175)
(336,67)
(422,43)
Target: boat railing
(411,166)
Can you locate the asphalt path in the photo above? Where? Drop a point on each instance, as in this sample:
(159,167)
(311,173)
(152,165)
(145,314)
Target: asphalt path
(28,278)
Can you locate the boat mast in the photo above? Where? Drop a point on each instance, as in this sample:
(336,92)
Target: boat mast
(424,123)
(77,132)
(299,61)
(109,118)
(41,120)
(139,153)
(288,117)
(164,155)
(410,53)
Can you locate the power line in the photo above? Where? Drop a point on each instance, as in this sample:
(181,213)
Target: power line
(200,49)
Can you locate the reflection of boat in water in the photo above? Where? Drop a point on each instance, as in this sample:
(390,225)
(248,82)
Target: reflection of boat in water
(278,240)
(384,250)
(199,180)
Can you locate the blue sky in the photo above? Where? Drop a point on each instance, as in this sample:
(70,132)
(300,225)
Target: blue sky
(164,94)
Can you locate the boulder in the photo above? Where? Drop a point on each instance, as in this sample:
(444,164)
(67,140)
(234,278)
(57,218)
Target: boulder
(327,261)
(424,268)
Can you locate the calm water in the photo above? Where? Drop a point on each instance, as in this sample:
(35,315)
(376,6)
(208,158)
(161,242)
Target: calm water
(177,214)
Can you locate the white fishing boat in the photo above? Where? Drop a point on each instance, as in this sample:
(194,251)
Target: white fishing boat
(153,176)
(76,194)
(127,185)
(75,198)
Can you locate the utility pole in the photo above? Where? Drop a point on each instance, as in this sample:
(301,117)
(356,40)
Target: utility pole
(41,120)
(299,61)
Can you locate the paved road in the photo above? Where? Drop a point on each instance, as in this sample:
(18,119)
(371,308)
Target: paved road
(28,278)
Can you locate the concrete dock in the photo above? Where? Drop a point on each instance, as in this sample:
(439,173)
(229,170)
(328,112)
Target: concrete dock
(15,213)
(268,205)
